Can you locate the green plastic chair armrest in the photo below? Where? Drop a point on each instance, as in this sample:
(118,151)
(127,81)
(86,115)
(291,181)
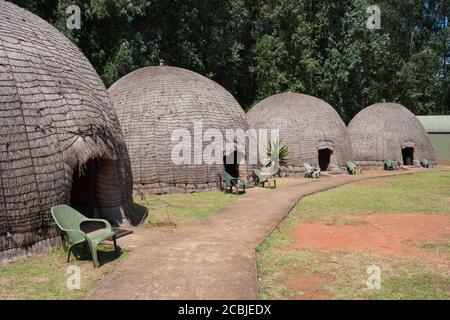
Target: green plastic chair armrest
(107,224)
(99,235)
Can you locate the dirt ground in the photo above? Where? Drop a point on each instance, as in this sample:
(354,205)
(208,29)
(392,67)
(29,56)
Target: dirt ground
(290,181)
(391,235)
(307,287)
(215,257)
(387,234)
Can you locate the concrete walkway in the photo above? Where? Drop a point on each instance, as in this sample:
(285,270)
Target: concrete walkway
(214,258)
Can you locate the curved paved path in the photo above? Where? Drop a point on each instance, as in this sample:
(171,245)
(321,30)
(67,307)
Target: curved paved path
(214,258)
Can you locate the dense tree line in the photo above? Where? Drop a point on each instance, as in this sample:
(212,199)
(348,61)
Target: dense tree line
(256,48)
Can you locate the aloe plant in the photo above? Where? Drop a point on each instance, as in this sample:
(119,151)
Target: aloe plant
(277,155)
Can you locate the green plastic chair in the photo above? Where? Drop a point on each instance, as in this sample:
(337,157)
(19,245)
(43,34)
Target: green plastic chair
(311,172)
(425,163)
(388,165)
(80,229)
(261,180)
(351,167)
(231,182)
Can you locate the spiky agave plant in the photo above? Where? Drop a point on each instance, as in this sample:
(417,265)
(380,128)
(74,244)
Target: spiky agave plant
(277,156)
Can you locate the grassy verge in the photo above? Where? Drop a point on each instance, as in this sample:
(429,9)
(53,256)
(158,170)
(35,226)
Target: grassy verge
(343,274)
(45,276)
(422,192)
(183,208)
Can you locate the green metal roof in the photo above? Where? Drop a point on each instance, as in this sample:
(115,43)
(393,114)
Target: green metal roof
(435,124)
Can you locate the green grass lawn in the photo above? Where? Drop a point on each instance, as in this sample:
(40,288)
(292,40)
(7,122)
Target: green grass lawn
(44,276)
(343,273)
(422,192)
(183,208)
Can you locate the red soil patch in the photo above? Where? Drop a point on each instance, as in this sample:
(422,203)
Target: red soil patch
(388,234)
(307,287)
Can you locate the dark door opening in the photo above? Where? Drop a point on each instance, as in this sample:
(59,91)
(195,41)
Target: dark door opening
(324,159)
(231,168)
(408,156)
(82,194)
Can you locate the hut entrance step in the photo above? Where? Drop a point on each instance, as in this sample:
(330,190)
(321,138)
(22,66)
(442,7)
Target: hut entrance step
(324,158)
(408,156)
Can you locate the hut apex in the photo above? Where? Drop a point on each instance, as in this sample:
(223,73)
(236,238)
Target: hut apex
(388,131)
(152,104)
(60,139)
(310,127)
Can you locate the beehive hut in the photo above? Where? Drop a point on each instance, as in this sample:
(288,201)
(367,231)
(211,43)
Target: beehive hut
(151,104)
(60,138)
(388,131)
(310,127)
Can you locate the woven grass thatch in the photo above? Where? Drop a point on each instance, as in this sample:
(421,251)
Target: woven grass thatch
(388,131)
(55,119)
(152,102)
(309,126)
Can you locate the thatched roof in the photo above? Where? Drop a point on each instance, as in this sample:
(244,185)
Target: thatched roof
(152,102)
(55,115)
(306,124)
(382,130)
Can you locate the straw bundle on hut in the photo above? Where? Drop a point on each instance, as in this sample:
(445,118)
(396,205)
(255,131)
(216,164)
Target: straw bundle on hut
(60,138)
(310,127)
(151,103)
(388,131)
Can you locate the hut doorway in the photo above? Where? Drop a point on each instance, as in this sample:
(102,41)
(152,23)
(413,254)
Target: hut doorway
(324,158)
(408,156)
(231,164)
(95,190)
(82,194)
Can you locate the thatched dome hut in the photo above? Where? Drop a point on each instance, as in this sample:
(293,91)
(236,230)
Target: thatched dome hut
(151,103)
(60,138)
(388,131)
(309,126)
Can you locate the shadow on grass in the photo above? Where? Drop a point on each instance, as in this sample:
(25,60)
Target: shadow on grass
(105,254)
